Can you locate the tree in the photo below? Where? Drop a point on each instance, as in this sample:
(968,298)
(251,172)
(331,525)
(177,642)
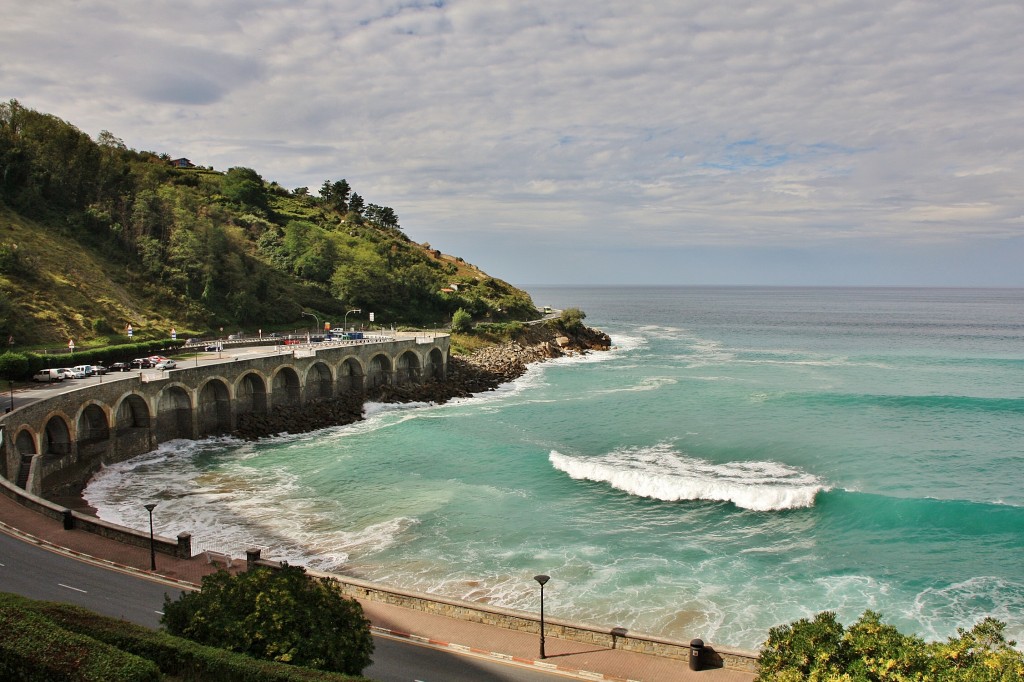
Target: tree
(572,318)
(245,186)
(462,321)
(280,615)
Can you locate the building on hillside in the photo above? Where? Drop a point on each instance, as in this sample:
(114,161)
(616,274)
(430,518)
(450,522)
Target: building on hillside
(182,163)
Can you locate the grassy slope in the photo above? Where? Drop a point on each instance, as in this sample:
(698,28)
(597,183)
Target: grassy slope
(65,285)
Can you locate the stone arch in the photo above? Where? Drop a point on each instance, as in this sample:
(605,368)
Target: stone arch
(285,388)
(56,436)
(318,382)
(213,408)
(380,371)
(173,413)
(132,413)
(350,376)
(250,394)
(433,369)
(407,370)
(93,426)
(131,426)
(25,442)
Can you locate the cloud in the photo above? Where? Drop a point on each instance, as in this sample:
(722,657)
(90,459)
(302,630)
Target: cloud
(680,125)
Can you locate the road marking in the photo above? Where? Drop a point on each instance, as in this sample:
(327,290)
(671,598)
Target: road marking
(73,588)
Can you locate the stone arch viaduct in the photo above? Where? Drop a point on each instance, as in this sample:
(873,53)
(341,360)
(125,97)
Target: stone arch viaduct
(56,444)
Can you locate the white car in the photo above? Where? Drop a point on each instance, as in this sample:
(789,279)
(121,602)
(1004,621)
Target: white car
(165,364)
(48,376)
(71,373)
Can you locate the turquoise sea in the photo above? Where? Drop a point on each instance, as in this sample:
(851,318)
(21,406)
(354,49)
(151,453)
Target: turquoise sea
(743,457)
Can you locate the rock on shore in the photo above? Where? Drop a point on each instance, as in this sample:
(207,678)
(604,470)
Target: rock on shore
(482,371)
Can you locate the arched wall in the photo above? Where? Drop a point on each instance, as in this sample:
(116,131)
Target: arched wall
(59,441)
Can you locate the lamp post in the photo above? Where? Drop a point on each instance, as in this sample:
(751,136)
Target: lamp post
(11,382)
(542,579)
(354,310)
(152,545)
(314,317)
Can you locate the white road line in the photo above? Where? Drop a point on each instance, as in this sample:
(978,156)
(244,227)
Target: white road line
(73,588)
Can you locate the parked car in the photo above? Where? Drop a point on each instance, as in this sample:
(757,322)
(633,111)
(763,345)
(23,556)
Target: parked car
(214,347)
(70,373)
(142,363)
(120,367)
(166,363)
(100,369)
(87,370)
(47,376)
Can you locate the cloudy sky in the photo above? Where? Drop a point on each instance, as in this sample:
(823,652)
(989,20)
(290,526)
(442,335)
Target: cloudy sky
(828,142)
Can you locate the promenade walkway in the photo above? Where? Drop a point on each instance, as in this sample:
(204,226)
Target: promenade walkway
(581,660)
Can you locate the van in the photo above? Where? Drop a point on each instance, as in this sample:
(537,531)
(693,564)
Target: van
(87,370)
(47,376)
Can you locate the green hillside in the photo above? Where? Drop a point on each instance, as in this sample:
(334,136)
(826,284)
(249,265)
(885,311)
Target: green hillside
(95,236)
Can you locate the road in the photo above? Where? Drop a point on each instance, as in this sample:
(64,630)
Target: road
(39,573)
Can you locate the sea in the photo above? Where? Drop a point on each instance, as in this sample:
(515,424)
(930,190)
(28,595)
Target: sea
(741,458)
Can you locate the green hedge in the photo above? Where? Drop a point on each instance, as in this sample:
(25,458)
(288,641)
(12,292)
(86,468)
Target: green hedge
(32,648)
(21,366)
(173,656)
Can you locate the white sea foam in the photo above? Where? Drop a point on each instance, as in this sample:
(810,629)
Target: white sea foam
(662,473)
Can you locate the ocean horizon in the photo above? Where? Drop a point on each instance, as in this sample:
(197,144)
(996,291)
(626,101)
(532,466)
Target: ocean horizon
(743,457)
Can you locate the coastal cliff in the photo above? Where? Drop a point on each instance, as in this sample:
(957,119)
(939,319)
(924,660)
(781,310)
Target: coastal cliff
(481,371)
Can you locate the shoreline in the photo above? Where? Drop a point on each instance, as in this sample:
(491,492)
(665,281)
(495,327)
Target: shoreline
(482,371)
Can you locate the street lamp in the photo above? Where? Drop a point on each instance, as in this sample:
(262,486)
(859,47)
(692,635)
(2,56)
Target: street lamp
(152,545)
(315,318)
(345,323)
(542,579)
(11,382)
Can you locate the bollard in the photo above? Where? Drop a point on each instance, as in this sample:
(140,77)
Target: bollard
(696,647)
(69,520)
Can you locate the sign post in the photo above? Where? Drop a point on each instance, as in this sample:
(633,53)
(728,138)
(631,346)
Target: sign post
(174,334)
(71,345)
(131,331)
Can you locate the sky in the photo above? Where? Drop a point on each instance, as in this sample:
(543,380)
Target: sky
(674,142)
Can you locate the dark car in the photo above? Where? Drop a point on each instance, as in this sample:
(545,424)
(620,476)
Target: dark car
(120,367)
(142,363)
(99,369)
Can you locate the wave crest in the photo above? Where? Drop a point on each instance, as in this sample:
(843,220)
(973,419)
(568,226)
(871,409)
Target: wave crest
(662,473)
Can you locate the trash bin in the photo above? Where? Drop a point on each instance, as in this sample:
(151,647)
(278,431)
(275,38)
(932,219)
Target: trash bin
(696,647)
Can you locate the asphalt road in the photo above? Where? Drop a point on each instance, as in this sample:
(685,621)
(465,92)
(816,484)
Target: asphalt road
(38,573)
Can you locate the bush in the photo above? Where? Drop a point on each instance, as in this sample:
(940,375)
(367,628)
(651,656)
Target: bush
(572,318)
(34,648)
(462,321)
(278,615)
(14,365)
(821,649)
(176,657)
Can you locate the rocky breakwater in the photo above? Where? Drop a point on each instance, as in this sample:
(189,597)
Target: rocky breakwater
(484,370)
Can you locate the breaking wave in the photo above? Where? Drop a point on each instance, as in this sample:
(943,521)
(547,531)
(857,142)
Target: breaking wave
(662,473)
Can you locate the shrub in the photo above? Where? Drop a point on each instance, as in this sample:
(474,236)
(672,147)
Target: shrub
(572,318)
(14,365)
(34,648)
(278,615)
(462,322)
(179,658)
(870,650)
